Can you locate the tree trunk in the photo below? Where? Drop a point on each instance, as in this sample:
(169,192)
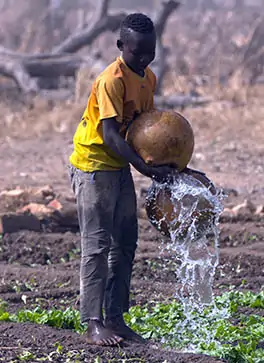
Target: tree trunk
(252,64)
(24,68)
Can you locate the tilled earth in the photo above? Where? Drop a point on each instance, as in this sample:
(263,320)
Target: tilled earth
(43,268)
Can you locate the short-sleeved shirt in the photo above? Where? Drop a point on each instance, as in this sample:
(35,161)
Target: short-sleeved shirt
(117,92)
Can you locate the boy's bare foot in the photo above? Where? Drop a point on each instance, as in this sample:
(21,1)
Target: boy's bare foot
(121,329)
(98,334)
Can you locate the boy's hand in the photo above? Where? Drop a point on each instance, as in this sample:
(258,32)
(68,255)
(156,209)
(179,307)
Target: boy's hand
(161,174)
(189,170)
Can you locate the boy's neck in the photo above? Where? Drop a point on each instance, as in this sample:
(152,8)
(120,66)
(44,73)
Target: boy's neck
(139,73)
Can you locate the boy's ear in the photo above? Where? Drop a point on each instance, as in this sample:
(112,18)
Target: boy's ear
(119,44)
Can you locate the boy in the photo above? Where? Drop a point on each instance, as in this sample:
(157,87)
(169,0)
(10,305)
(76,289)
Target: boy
(103,185)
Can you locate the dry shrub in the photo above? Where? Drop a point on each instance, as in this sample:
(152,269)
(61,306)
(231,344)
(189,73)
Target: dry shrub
(40,117)
(227,122)
(83,84)
(84,81)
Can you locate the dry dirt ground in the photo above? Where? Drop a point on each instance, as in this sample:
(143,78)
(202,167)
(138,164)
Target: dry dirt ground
(34,147)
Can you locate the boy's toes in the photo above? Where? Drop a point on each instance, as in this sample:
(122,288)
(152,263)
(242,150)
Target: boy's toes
(97,334)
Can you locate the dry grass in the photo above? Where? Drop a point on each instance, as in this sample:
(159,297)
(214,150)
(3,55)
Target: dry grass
(232,111)
(228,140)
(39,117)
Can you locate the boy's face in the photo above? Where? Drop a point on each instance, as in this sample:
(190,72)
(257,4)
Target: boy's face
(138,50)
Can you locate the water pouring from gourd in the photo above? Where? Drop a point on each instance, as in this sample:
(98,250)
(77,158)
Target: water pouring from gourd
(184,210)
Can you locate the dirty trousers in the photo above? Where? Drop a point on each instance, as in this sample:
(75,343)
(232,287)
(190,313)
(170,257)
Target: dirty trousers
(106,205)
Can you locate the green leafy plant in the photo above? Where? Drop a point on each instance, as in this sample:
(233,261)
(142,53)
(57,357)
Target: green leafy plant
(25,356)
(67,319)
(211,332)
(220,330)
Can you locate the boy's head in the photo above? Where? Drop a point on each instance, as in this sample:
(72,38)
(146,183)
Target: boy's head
(137,41)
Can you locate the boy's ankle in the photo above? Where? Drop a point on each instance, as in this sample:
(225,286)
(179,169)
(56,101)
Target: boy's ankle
(115,320)
(95,321)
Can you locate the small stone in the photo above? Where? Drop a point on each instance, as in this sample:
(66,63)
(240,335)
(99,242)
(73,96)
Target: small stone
(259,210)
(45,191)
(55,204)
(228,213)
(36,209)
(14,193)
(247,207)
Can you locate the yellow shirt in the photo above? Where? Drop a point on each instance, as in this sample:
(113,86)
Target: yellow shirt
(117,92)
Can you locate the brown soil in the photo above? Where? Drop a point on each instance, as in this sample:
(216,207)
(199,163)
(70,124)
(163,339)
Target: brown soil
(46,338)
(45,266)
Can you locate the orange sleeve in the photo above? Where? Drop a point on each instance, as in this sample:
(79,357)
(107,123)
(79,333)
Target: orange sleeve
(154,82)
(110,97)
(152,79)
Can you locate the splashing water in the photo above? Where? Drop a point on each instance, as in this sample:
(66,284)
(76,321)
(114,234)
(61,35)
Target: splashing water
(192,228)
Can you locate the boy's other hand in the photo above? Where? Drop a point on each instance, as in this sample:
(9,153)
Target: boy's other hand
(190,171)
(161,174)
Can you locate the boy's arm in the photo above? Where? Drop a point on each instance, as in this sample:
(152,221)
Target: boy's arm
(116,142)
(110,93)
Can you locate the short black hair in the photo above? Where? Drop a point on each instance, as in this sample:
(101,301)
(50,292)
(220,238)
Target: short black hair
(137,22)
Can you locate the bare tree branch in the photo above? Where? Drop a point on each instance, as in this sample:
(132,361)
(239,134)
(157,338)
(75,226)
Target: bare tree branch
(252,63)
(167,8)
(25,70)
(61,63)
(102,9)
(181,101)
(16,71)
(103,22)
(7,52)
(160,65)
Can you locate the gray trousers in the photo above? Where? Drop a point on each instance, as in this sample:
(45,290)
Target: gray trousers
(107,212)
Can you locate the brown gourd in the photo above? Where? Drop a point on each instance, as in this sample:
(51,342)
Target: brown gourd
(166,137)
(163,212)
(162,137)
